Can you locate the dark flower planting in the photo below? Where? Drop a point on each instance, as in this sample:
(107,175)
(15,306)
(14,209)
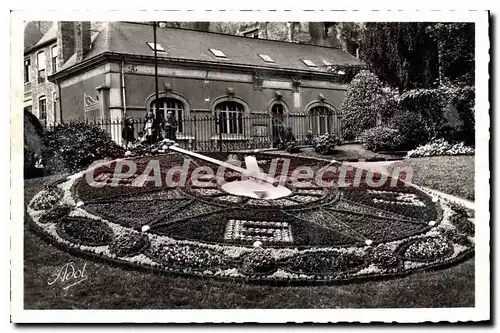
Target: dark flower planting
(85,231)
(129,244)
(463,224)
(259,262)
(385,259)
(55,214)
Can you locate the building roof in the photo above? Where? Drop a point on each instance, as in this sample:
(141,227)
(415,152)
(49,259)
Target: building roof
(32,34)
(50,36)
(131,39)
(38,39)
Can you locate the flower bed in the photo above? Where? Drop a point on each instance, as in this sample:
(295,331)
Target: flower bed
(328,235)
(440,147)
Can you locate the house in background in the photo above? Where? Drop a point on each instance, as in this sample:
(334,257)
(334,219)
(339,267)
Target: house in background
(201,75)
(40,61)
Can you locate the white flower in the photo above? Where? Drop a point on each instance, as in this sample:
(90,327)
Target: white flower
(145,228)
(257,244)
(128,153)
(368,242)
(79,204)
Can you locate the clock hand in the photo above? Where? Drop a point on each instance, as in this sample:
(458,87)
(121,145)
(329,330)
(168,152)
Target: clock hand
(250,173)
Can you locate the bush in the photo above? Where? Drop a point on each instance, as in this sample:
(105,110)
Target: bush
(291,147)
(412,129)
(365,100)
(431,106)
(33,144)
(71,147)
(325,144)
(440,147)
(382,138)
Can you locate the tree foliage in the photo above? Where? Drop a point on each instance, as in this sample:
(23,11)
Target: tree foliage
(412,55)
(365,101)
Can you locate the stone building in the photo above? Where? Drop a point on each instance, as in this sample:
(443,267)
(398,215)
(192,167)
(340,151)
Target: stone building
(40,61)
(201,75)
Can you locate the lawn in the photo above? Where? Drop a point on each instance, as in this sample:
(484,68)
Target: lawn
(350,152)
(449,174)
(118,288)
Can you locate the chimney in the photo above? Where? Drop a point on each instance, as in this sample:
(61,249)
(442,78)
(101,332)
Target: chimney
(82,40)
(65,40)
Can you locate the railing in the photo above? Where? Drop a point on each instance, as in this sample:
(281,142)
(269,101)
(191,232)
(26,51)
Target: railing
(233,132)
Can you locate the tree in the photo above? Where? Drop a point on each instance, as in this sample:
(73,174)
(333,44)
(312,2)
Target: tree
(410,55)
(364,104)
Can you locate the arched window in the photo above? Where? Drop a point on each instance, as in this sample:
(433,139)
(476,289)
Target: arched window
(170,104)
(42,109)
(231,117)
(321,119)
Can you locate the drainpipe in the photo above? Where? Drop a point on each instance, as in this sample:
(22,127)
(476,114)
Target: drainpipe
(60,102)
(122,81)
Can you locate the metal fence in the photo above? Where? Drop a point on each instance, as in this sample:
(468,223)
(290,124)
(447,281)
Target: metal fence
(233,131)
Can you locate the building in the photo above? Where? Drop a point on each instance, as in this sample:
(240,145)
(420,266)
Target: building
(40,61)
(201,75)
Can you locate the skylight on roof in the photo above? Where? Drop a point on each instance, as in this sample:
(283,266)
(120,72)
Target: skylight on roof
(159,48)
(266,58)
(218,53)
(309,63)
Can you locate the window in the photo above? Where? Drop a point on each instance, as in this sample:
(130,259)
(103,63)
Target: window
(159,48)
(41,66)
(321,120)
(42,109)
(171,104)
(27,70)
(309,63)
(231,117)
(266,58)
(54,58)
(218,53)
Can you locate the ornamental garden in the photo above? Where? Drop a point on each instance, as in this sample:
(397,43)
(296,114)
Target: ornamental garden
(317,234)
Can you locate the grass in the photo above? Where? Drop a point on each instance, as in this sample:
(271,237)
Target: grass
(449,174)
(110,287)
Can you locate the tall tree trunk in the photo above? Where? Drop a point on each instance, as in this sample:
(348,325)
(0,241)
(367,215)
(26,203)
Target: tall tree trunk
(340,36)
(317,33)
(291,30)
(263,30)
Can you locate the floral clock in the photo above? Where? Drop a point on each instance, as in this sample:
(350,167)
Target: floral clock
(317,234)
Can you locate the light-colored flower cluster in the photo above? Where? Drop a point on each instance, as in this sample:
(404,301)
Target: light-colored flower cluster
(264,231)
(440,147)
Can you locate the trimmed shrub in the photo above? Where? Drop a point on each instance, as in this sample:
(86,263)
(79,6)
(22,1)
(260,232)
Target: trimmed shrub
(412,129)
(325,144)
(73,146)
(440,147)
(364,102)
(382,138)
